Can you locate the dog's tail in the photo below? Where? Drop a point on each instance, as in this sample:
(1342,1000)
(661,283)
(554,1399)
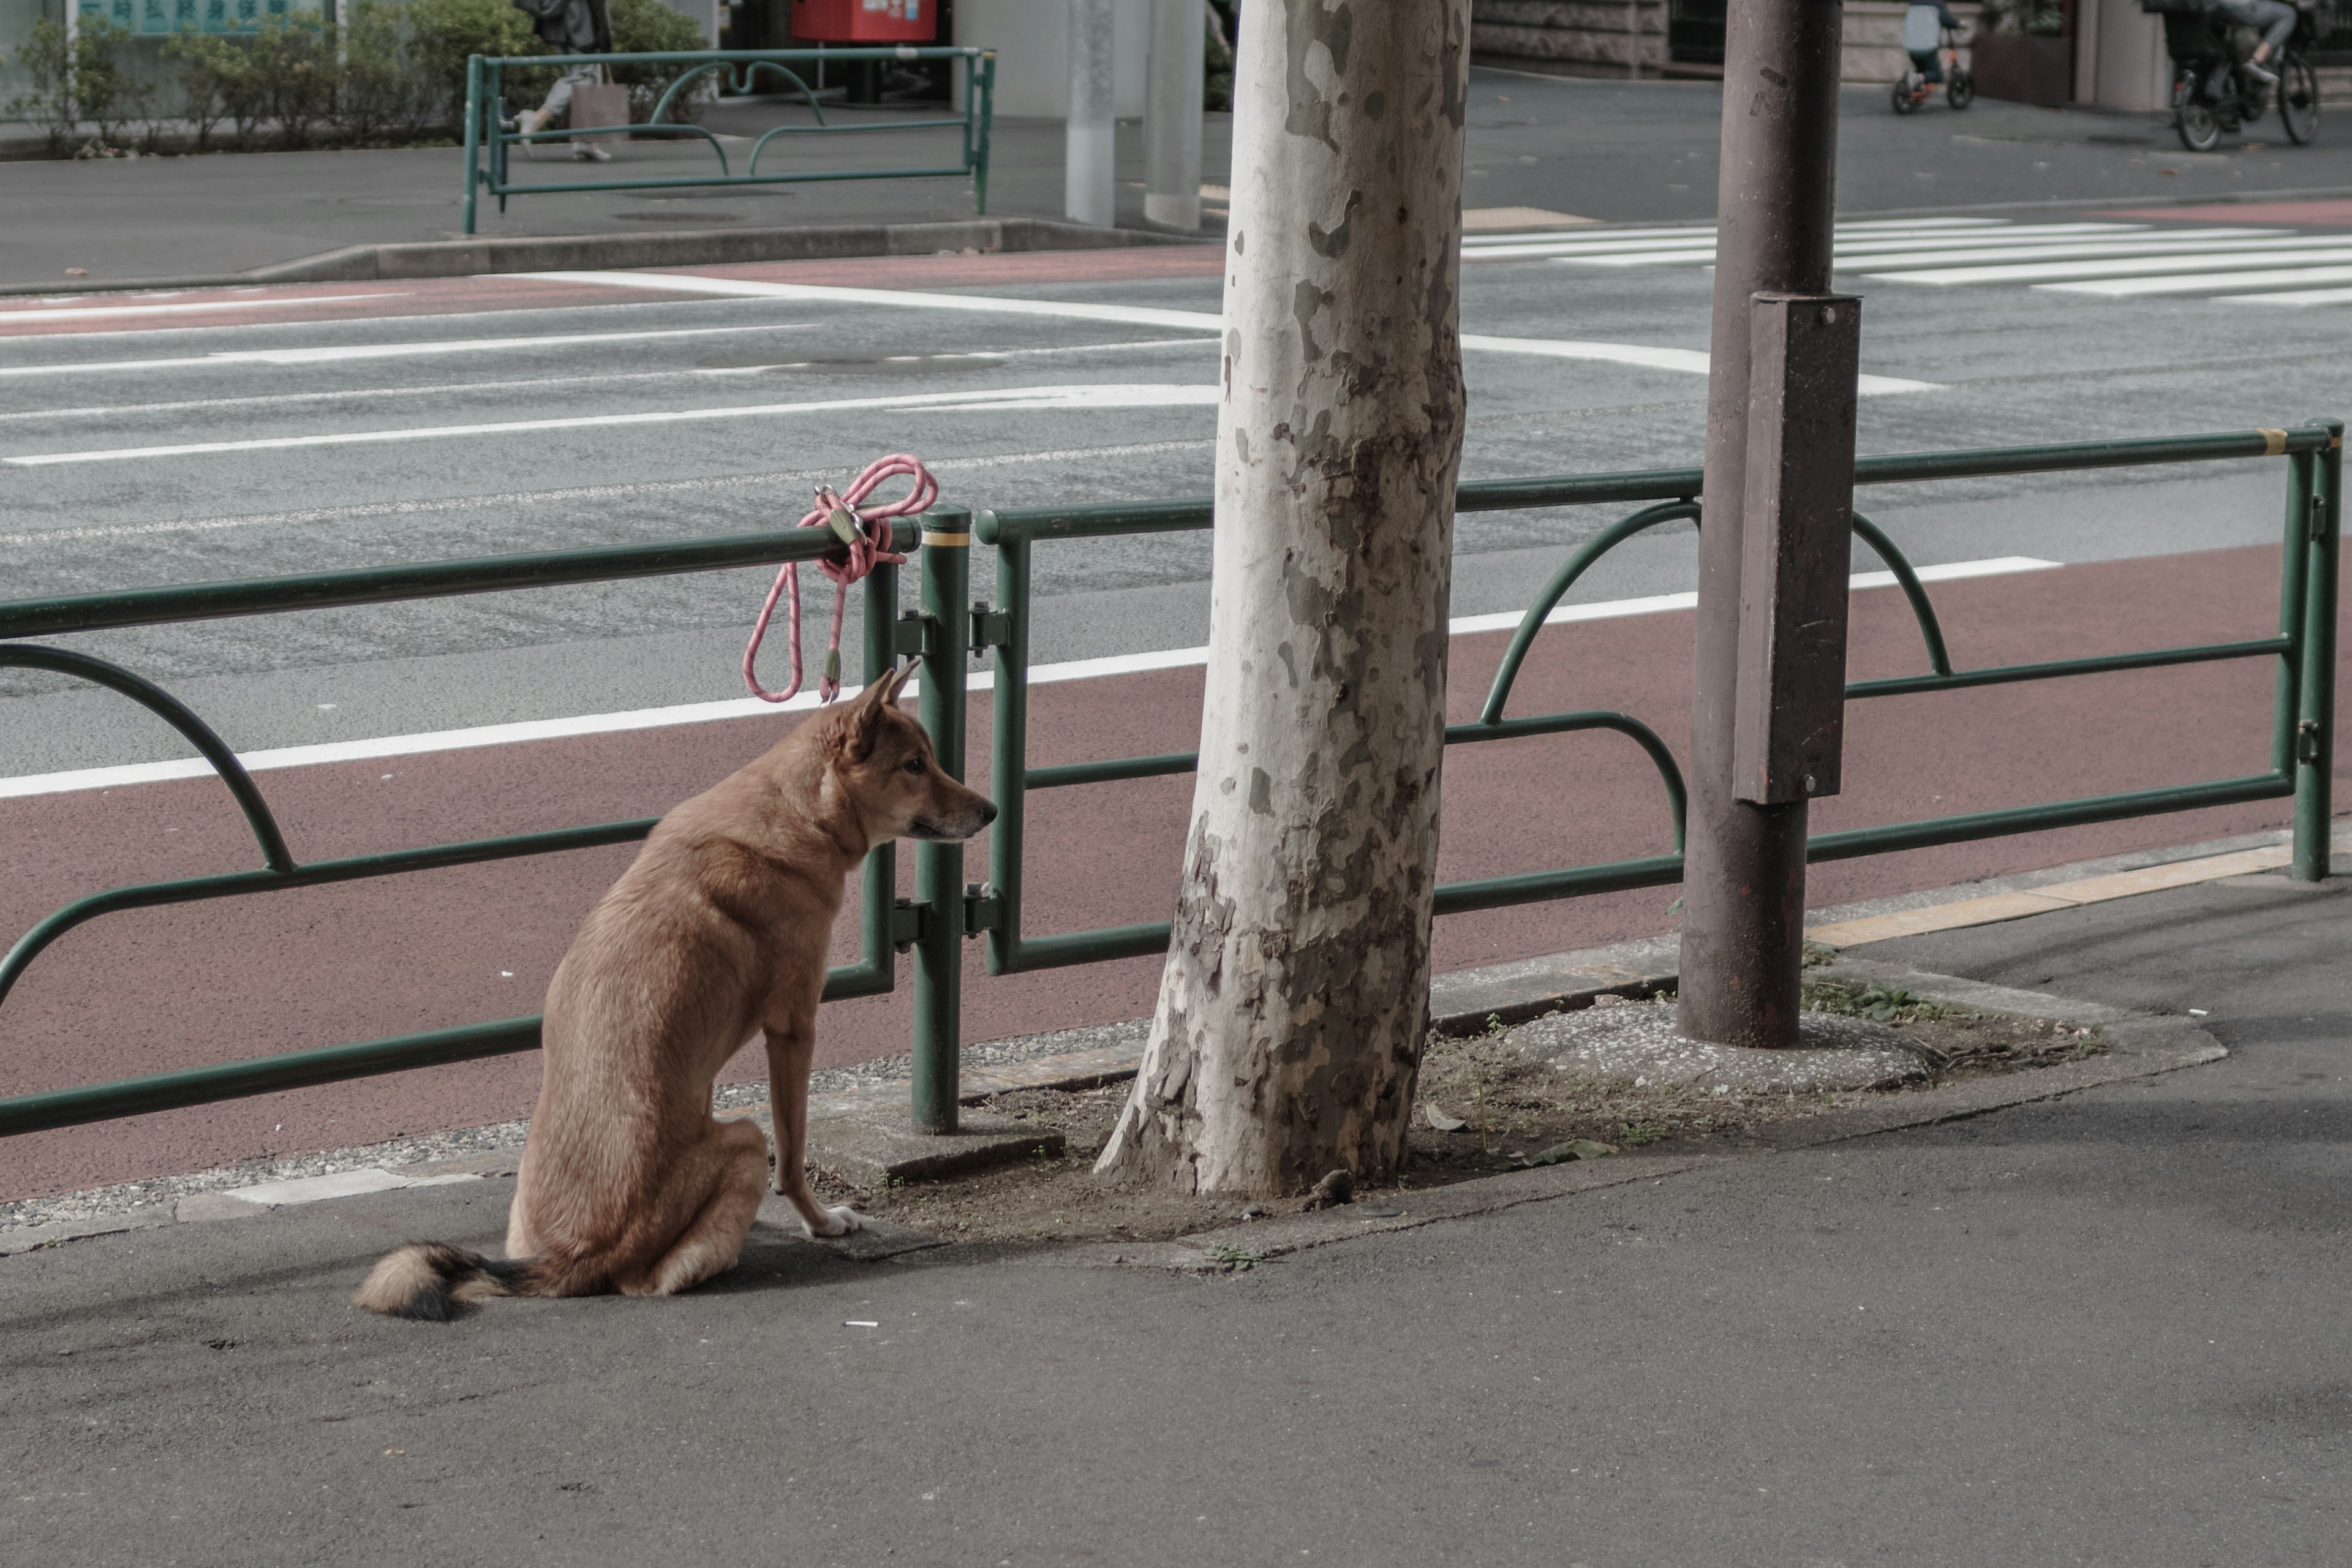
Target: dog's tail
(426,1279)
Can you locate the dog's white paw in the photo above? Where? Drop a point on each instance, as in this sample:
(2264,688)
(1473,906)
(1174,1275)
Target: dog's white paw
(839,1220)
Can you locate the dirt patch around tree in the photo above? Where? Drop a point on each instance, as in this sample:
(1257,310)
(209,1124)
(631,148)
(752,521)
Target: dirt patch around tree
(1484,1105)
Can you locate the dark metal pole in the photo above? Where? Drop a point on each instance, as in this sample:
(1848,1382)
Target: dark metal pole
(1744,881)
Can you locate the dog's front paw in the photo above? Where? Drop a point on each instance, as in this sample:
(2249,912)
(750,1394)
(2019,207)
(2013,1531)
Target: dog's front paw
(839,1220)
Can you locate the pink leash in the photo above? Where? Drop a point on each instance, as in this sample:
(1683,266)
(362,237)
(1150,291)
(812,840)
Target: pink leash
(841,513)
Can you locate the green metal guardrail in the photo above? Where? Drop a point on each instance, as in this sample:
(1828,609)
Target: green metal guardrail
(942,633)
(2305,649)
(487,119)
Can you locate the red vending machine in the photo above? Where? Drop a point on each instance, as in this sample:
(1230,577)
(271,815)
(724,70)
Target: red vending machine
(865,21)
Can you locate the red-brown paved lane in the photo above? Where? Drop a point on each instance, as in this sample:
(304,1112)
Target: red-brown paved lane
(170,988)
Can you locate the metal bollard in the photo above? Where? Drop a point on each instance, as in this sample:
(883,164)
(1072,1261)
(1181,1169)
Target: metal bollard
(2314,739)
(946,568)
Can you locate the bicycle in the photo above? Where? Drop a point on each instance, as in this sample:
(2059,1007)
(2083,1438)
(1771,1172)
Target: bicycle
(2213,95)
(1913,88)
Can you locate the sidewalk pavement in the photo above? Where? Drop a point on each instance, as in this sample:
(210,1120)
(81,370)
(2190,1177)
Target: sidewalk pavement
(1636,152)
(2106,1327)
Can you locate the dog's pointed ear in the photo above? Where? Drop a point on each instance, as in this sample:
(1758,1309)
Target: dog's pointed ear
(862,730)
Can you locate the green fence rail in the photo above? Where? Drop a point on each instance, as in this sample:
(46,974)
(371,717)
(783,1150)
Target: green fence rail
(2305,649)
(949,627)
(489,137)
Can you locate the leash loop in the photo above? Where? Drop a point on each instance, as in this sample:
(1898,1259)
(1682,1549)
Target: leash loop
(842,513)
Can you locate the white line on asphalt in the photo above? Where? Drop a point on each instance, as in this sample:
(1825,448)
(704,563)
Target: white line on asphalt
(1701,245)
(577,493)
(1853,259)
(81,312)
(898,299)
(750,707)
(2128,288)
(445,389)
(1619,354)
(336,352)
(2295,297)
(2116,267)
(1485,242)
(1691,361)
(1083,395)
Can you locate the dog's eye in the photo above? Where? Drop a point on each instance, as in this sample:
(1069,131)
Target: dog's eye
(913,764)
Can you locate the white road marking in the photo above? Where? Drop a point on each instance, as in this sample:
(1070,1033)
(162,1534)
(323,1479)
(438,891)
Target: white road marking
(2295,297)
(2142,260)
(336,354)
(2114,267)
(2129,287)
(1854,259)
(1103,395)
(84,312)
(1693,361)
(578,493)
(1687,360)
(898,299)
(448,389)
(121,776)
(1700,246)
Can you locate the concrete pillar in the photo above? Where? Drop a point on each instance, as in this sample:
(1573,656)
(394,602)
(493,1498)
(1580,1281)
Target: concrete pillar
(1171,114)
(1088,192)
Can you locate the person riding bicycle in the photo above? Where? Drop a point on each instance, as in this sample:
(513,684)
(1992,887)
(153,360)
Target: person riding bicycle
(1923,38)
(2274,19)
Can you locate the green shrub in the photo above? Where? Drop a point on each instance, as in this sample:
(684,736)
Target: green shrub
(650,27)
(210,66)
(79,80)
(383,93)
(442,33)
(293,70)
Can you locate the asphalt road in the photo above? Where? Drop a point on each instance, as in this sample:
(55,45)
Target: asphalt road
(2106,1329)
(1619,151)
(277,437)
(217,433)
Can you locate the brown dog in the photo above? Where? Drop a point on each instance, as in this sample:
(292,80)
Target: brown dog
(721,929)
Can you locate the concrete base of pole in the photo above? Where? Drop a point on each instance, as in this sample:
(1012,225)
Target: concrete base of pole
(1088,190)
(1172,212)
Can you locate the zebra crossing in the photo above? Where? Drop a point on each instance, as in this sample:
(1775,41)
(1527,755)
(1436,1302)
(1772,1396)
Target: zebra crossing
(2236,264)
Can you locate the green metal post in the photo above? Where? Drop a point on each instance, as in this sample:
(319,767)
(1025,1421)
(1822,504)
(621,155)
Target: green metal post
(938,868)
(473,134)
(2315,736)
(984,101)
(1008,754)
(2286,699)
(878,891)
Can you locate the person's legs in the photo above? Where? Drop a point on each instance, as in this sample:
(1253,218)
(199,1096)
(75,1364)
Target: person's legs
(559,98)
(2274,19)
(1928,63)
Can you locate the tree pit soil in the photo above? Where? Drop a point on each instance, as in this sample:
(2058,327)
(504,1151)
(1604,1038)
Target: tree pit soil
(1512,1108)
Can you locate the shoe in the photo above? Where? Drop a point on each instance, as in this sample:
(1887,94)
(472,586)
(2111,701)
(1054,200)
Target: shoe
(2260,72)
(588,153)
(525,123)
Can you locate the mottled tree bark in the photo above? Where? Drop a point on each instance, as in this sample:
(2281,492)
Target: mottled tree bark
(1296,991)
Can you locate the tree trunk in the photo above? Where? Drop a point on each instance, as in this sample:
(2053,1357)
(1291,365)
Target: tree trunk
(1296,991)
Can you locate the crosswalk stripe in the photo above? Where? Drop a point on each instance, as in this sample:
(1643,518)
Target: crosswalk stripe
(2120,266)
(2131,287)
(2295,297)
(2113,260)
(1700,246)
(1852,259)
